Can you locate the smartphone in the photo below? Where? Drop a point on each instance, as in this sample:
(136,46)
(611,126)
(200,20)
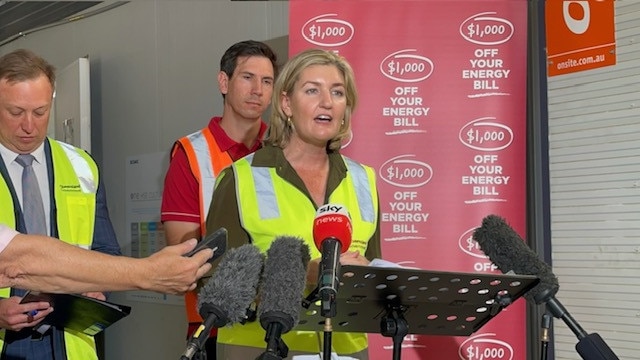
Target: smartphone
(217,241)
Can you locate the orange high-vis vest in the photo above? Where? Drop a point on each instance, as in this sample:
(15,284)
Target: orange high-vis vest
(206,161)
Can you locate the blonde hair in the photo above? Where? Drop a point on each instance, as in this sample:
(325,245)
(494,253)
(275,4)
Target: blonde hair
(279,131)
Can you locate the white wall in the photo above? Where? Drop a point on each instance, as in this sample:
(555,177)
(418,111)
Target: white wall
(594,141)
(153,69)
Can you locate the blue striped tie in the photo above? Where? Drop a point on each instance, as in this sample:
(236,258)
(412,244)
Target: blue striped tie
(32,207)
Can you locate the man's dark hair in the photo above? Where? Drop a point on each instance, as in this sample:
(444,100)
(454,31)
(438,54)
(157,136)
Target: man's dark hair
(247,48)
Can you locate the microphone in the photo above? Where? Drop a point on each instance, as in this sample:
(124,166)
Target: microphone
(226,296)
(506,249)
(332,236)
(281,292)
(509,252)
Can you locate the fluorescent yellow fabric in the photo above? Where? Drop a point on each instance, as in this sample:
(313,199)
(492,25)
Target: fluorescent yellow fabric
(75,187)
(295,215)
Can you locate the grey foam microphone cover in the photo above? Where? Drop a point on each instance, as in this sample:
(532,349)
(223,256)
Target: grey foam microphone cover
(283,282)
(234,284)
(506,249)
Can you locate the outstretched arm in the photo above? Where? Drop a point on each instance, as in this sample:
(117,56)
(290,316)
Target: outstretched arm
(46,264)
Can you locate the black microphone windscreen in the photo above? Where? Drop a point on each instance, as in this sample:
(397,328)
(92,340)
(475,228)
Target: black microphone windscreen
(234,284)
(283,282)
(506,249)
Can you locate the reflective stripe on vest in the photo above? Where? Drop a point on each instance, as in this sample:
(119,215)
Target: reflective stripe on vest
(75,193)
(270,207)
(268,204)
(84,173)
(363,190)
(75,186)
(206,160)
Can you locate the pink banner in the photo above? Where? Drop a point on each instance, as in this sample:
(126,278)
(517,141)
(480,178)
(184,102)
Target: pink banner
(442,117)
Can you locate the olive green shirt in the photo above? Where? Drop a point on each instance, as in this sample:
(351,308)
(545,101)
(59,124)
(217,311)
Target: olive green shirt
(223,211)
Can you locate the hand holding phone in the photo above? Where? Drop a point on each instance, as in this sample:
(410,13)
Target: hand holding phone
(217,241)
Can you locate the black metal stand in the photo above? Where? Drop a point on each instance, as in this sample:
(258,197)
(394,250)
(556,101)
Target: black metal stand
(200,355)
(589,346)
(399,301)
(196,345)
(394,325)
(326,343)
(593,347)
(276,347)
(328,309)
(544,338)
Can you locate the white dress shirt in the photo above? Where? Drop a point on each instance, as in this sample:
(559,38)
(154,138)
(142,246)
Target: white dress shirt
(6,235)
(41,171)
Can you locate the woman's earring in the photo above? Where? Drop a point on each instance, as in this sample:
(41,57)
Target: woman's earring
(289,121)
(342,123)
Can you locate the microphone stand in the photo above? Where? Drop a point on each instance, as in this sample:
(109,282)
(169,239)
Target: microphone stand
(326,344)
(394,325)
(327,310)
(213,316)
(544,338)
(327,289)
(589,346)
(198,339)
(277,349)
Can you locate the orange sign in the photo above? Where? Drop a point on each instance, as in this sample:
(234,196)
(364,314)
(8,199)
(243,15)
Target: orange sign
(580,35)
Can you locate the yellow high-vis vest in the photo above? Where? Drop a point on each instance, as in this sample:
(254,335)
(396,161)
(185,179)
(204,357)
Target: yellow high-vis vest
(75,188)
(270,207)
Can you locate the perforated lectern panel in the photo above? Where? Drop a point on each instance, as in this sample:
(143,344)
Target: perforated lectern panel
(432,302)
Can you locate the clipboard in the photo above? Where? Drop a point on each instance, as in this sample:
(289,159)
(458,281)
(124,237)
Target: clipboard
(77,312)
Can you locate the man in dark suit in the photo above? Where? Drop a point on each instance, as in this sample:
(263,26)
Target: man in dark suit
(71,204)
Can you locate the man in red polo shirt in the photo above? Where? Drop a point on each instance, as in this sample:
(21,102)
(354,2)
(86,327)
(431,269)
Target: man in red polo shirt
(247,73)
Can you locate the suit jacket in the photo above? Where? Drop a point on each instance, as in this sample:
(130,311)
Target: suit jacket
(104,240)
